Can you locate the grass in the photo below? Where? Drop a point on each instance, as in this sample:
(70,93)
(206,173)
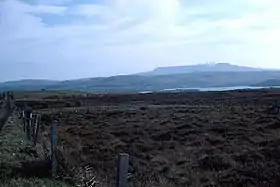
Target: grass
(20,163)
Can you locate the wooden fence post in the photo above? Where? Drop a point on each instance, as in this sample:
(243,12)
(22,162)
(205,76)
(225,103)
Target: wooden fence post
(35,129)
(54,147)
(23,120)
(123,164)
(18,113)
(29,129)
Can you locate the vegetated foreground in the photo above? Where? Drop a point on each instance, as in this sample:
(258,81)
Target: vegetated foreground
(190,139)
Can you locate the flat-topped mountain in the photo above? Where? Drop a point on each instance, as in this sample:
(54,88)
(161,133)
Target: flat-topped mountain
(195,76)
(219,67)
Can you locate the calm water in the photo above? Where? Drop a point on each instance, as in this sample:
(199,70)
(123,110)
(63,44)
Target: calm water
(221,88)
(213,89)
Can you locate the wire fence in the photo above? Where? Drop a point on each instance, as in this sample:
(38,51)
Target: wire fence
(34,127)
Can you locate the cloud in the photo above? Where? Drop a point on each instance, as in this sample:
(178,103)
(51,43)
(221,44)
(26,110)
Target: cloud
(100,38)
(49,2)
(89,10)
(47,9)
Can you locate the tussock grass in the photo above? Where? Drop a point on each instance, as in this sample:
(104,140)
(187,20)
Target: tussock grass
(20,163)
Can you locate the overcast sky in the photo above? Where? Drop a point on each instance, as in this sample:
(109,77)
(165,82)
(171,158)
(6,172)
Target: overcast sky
(65,39)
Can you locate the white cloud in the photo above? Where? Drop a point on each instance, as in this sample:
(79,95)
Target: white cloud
(136,35)
(89,10)
(47,9)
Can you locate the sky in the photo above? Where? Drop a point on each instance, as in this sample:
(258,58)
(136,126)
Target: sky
(68,39)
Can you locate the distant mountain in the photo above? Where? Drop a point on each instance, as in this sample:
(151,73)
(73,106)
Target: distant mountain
(198,76)
(270,82)
(219,67)
(138,83)
(27,84)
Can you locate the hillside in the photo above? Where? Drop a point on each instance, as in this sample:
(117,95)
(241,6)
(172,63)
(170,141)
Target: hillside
(137,83)
(27,84)
(270,82)
(219,67)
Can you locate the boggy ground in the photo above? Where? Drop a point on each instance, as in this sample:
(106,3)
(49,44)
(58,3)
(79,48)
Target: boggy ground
(209,139)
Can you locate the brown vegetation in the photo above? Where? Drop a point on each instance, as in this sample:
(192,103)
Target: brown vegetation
(192,139)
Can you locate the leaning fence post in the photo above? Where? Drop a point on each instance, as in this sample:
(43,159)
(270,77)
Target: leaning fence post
(54,147)
(123,163)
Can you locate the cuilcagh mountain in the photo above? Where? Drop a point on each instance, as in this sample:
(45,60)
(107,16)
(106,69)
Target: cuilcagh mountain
(193,76)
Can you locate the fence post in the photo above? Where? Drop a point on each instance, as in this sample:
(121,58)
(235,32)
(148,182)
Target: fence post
(35,129)
(23,120)
(29,129)
(54,147)
(123,164)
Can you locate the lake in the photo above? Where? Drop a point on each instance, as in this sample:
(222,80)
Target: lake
(213,89)
(222,88)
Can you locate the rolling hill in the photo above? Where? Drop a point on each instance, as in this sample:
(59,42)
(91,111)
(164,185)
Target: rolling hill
(270,82)
(138,83)
(27,84)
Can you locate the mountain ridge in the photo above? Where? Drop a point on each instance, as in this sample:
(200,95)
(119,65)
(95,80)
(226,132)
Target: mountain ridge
(269,82)
(210,67)
(197,76)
